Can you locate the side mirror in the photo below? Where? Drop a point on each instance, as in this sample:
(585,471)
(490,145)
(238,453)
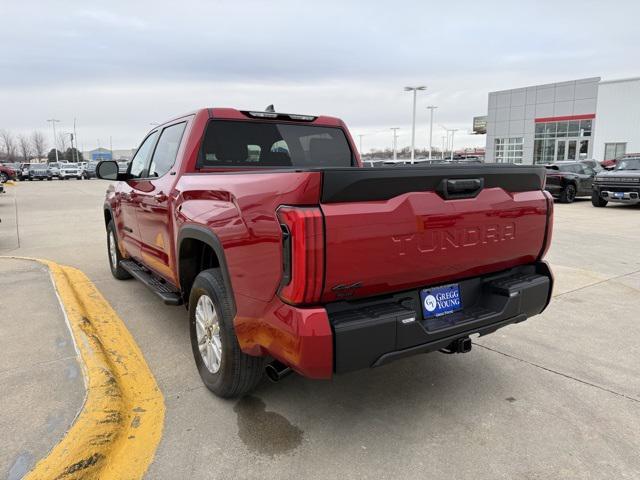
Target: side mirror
(107,170)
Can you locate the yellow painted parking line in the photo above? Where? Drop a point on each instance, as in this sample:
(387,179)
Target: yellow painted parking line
(116,433)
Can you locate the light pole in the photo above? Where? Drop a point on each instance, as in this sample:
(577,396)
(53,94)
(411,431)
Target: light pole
(453,132)
(360,137)
(431,108)
(75,135)
(395,142)
(413,128)
(444,139)
(53,122)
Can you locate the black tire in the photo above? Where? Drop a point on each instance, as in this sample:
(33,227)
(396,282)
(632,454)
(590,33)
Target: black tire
(568,194)
(116,270)
(49,179)
(238,372)
(597,200)
(3,177)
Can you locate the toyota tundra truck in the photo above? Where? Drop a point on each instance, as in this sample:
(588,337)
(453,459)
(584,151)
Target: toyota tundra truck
(289,255)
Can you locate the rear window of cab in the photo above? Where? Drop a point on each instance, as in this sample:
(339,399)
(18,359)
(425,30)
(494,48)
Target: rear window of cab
(229,143)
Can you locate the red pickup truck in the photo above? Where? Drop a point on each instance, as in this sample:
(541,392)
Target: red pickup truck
(289,255)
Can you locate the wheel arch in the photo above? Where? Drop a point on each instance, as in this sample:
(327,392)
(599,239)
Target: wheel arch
(190,263)
(108,215)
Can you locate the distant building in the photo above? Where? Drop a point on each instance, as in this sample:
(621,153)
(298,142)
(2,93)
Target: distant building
(99,154)
(575,120)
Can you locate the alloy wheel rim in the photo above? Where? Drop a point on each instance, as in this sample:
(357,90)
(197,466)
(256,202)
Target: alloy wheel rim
(571,194)
(208,334)
(112,250)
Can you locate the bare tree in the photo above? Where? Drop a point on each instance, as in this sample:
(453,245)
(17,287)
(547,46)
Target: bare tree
(25,147)
(8,144)
(63,141)
(39,144)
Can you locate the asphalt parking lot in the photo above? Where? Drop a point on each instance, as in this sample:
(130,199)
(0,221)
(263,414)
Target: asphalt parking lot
(555,397)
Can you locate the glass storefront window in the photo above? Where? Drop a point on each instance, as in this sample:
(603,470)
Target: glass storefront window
(614,150)
(550,128)
(561,140)
(574,128)
(509,149)
(562,129)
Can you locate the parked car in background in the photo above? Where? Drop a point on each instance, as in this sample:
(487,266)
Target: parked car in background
(569,179)
(123,166)
(7,173)
(39,171)
(594,164)
(23,171)
(611,164)
(69,170)
(54,169)
(90,170)
(621,184)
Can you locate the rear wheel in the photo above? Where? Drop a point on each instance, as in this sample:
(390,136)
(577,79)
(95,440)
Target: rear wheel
(224,368)
(114,254)
(597,200)
(568,194)
(3,177)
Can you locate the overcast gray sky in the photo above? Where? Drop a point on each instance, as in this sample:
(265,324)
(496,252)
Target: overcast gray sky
(117,66)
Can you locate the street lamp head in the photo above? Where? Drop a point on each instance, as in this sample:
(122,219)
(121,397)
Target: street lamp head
(410,89)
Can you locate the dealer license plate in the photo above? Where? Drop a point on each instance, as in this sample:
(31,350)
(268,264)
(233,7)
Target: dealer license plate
(440,301)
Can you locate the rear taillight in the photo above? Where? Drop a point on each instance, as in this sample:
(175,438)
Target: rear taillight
(303,254)
(548,233)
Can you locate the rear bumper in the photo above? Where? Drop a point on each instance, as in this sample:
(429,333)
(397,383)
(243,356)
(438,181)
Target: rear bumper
(376,331)
(346,336)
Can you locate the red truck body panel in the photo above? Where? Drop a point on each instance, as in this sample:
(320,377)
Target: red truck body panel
(383,246)
(420,239)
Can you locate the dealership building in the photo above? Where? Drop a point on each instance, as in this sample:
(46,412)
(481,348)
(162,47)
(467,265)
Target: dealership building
(576,120)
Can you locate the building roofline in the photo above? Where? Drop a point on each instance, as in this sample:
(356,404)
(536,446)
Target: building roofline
(620,80)
(587,79)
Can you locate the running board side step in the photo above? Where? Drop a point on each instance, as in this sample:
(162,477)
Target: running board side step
(158,286)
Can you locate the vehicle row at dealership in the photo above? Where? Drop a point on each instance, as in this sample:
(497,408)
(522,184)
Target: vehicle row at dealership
(51,170)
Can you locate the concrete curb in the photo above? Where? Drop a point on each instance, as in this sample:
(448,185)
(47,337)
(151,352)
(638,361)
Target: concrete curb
(116,433)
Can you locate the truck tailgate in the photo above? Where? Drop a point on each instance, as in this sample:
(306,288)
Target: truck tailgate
(393,229)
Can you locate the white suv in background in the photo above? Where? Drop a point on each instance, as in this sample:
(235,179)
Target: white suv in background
(69,170)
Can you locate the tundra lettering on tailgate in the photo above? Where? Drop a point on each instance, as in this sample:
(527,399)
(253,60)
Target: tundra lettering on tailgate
(453,238)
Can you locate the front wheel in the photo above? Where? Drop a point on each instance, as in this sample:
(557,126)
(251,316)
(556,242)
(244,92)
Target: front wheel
(597,200)
(568,194)
(114,254)
(3,177)
(224,368)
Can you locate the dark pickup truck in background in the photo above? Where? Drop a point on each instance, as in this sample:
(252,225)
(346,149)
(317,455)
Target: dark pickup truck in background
(622,184)
(569,179)
(289,255)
